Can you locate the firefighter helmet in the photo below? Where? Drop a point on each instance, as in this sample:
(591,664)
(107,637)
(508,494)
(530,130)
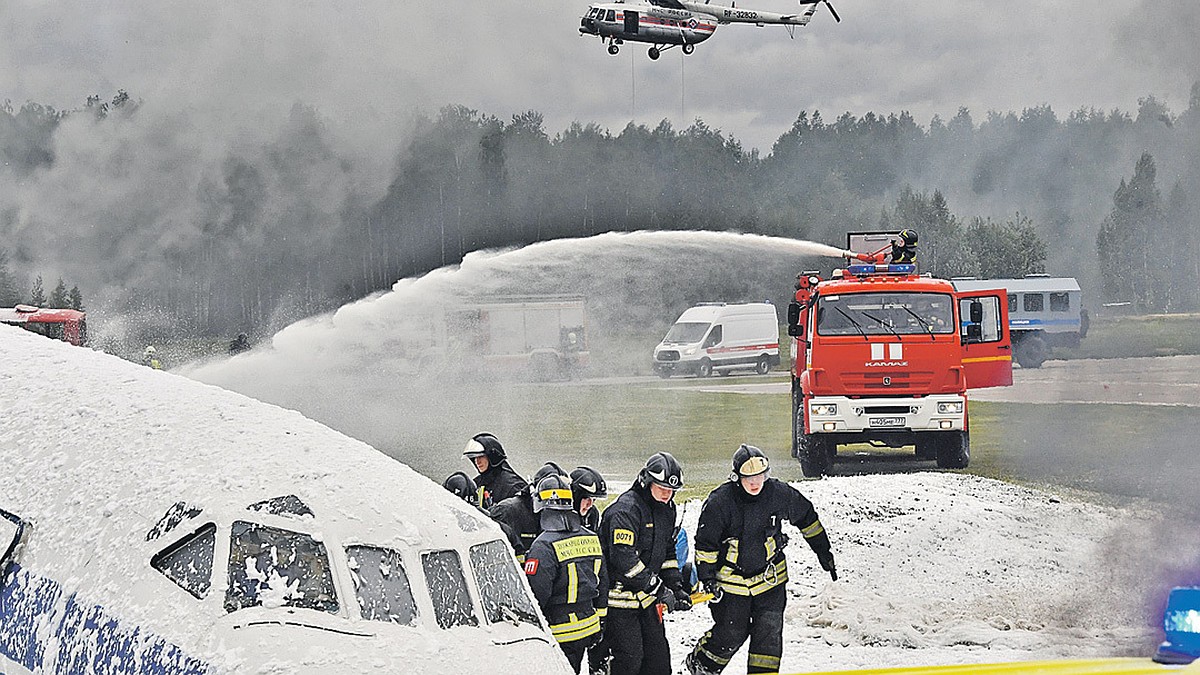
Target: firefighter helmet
(485,445)
(908,237)
(662,469)
(461,485)
(749,461)
(587,482)
(553,492)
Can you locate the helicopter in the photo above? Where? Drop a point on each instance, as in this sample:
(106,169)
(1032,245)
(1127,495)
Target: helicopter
(685,23)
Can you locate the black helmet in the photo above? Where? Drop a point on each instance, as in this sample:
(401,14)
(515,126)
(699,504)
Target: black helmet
(749,461)
(908,236)
(461,485)
(548,469)
(587,482)
(485,445)
(663,470)
(553,492)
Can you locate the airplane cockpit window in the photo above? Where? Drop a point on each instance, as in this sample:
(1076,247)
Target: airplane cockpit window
(448,588)
(500,584)
(12,528)
(179,512)
(381,585)
(273,567)
(288,505)
(189,561)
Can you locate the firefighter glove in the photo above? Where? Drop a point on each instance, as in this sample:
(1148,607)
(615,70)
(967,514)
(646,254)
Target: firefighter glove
(666,596)
(654,585)
(683,601)
(827,564)
(716,590)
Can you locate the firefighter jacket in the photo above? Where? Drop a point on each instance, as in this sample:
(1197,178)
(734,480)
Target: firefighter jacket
(638,537)
(740,540)
(516,513)
(567,574)
(498,483)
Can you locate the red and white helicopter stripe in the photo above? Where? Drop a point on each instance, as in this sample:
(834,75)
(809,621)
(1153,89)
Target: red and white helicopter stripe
(667,23)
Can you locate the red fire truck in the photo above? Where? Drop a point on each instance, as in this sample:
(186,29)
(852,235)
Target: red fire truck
(67,325)
(883,355)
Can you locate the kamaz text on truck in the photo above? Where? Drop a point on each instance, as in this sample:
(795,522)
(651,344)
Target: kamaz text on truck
(885,356)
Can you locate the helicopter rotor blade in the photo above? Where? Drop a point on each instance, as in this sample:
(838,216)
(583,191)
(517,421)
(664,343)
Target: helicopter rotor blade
(832,11)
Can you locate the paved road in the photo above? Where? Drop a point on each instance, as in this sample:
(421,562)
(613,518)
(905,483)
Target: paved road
(1161,380)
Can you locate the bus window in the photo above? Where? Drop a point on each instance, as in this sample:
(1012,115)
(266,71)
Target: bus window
(1060,302)
(1034,302)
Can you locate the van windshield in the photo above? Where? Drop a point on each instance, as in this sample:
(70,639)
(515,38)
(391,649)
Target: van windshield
(686,333)
(885,314)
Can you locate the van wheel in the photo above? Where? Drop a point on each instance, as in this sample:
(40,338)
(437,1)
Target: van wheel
(764,365)
(664,374)
(704,369)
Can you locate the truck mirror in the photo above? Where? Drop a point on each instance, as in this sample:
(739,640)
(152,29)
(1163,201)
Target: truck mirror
(793,314)
(796,330)
(974,333)
(976,311)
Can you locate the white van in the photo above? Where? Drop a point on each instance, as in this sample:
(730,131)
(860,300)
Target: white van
(714,336)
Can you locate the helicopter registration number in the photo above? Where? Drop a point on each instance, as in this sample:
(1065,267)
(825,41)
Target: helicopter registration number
(740,14)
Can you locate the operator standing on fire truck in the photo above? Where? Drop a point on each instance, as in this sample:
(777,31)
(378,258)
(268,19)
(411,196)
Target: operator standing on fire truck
(739,559)
(905,250)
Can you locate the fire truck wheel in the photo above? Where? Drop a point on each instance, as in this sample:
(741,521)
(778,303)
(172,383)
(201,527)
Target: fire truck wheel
(1031,352)
(816,455)
(954,450)
(926,446)
(764,365)
(704,369)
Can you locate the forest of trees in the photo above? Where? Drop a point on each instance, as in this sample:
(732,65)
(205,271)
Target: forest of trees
(283,232)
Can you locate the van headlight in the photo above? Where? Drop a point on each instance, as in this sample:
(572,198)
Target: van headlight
(823,409)
(950,407)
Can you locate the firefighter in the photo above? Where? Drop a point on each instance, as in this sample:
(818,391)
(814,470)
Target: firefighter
(150,358)
(905,250)
(740,560)
(637,532)
(517,512)
(566,571)
(240,344)
(587,485)
(460,485)
(497,480)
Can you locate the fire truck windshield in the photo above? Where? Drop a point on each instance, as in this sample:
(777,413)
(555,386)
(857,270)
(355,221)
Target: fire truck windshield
(885,314)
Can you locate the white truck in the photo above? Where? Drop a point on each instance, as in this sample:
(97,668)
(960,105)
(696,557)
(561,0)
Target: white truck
(528,337)
(720,337)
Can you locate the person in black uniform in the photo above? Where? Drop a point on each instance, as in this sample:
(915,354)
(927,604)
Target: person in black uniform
(905,250)
(497,480)
(240,344)
(587,485)
(517,512)
(566,571)
(637,532)
(739,559)
(460,485)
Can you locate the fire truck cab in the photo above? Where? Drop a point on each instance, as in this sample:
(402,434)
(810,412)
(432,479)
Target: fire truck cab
(885,356)
(67,325)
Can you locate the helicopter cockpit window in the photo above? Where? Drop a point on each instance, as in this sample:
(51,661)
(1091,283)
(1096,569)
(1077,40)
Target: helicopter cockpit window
(500,585)
(273,567)
(451,600)
(189,562)
(381,585)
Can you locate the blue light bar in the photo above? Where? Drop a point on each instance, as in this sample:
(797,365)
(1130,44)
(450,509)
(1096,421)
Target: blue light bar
(1181,621)
(894,268)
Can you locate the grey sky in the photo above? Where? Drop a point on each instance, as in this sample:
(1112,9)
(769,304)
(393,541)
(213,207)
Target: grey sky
(368,65)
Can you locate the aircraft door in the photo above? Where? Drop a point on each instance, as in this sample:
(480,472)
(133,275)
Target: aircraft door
(986,345)
(631,22)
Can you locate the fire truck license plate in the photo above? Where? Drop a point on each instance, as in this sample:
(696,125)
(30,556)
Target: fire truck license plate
(887,421)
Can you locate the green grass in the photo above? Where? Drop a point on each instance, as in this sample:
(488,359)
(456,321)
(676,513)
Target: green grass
(1126,336)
